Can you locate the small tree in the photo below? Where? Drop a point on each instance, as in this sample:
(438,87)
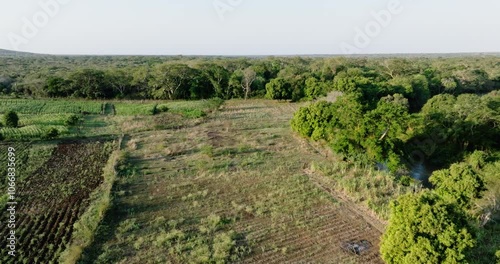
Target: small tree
(11,119)
(278,89)
(423,228)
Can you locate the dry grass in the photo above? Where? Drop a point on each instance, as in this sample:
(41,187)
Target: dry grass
(243,169)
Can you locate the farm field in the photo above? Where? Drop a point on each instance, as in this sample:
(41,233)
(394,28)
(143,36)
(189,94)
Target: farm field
(235,187)
(54,183)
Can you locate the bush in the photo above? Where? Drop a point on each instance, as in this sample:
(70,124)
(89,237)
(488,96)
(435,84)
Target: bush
(423,228)
(161,108)
(73,120)
(51,133)
(315,119)
(11,119)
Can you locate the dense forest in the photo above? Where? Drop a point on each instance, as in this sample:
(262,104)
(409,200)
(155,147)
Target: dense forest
(287,78)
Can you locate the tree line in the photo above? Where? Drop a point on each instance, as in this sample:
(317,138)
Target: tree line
(280,78)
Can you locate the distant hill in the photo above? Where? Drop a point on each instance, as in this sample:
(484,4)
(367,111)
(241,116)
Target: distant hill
(4,52)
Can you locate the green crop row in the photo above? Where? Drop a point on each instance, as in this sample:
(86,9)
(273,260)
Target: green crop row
(27,106)
(31,131)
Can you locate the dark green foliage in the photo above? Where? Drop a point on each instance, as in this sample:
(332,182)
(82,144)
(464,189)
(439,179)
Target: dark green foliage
(423,228)
(315,121)
(11,119)
(279,89)
(89,83)
(162,108)
(73,120)
(352,131)
(315,88)
(51,133)
(156,77)
(465,123)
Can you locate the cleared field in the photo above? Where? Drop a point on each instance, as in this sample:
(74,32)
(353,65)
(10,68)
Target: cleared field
(54,183)
(235,188)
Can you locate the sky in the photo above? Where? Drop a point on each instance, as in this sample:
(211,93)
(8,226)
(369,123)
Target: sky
(249,27)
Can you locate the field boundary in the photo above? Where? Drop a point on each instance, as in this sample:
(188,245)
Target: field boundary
(86,226)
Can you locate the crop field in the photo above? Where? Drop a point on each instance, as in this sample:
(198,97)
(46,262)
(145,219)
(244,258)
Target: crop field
(28,106)
(52,192)
(235,188)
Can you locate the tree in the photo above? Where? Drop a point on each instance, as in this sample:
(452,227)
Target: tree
(11,119)
(459,184)
(423,228)
(171,81)
(57,87)
(315,88)
(218,77)
(141,77)
(278,89)
(90,83)
(5,84)
(120,80)
(384,129)
(249,77)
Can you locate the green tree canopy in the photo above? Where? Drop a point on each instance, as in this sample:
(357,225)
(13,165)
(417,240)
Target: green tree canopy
(11,119)
(423,228)
(459,184)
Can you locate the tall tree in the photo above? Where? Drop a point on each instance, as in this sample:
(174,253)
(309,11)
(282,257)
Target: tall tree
(249,76)
(171,81)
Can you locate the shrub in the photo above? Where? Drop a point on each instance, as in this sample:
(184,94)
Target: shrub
(11,119)
(73,120)
(423,228)
(51,133)
(222,246)
(162,108)
(210,224)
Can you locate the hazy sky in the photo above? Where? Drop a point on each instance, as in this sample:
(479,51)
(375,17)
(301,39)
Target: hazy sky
(249,27)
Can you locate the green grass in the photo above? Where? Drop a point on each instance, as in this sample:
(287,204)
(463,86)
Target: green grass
(193,109)
(31,106)
(135,108)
